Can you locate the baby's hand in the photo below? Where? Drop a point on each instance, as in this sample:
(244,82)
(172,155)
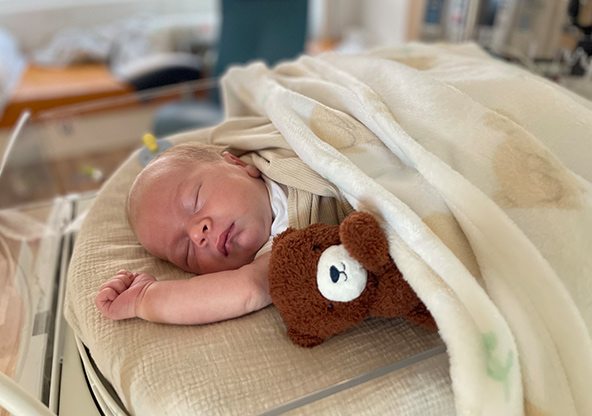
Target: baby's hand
(118,297)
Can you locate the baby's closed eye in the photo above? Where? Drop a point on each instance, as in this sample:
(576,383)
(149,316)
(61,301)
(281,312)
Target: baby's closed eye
(196,199)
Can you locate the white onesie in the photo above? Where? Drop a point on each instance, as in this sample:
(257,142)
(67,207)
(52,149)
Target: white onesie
(278,197)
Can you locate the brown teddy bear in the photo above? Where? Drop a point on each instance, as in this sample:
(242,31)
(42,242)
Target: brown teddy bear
(324,279)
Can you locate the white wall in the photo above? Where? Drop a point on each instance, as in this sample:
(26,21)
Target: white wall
(330,18)
(384,22)
(34,22)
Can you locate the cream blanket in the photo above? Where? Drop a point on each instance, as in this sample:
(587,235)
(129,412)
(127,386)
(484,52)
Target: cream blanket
(481,175)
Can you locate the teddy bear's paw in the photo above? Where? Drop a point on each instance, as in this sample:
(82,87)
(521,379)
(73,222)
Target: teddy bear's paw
(304,340)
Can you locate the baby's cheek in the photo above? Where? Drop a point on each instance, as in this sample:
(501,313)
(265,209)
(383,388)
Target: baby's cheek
(252,240)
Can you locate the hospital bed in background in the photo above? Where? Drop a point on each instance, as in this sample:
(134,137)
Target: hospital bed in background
(268,30)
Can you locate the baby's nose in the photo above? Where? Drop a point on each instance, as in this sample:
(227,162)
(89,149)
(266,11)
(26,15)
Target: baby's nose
(200,231)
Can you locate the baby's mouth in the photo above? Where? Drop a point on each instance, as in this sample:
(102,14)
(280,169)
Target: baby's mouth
(224,241)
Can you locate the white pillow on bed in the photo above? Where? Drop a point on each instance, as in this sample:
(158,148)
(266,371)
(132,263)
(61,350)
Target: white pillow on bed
(238,367)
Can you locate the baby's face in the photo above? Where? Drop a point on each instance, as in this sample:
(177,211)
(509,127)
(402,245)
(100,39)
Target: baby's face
(203,217)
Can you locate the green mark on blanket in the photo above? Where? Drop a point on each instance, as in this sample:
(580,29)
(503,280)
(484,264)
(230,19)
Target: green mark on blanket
(406,50)
(495,368)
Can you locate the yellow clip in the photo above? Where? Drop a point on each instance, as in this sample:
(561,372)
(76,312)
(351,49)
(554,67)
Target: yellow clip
(150,142)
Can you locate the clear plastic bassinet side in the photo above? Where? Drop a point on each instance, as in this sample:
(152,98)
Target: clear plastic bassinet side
(49,163)
(29,239)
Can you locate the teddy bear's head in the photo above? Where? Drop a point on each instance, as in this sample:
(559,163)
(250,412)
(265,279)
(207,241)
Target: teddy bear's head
(324,279)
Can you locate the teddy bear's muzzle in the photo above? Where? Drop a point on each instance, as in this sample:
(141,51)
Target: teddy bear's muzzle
(340,278)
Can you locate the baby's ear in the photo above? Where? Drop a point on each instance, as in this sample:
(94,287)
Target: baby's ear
(232,159)
(251,170)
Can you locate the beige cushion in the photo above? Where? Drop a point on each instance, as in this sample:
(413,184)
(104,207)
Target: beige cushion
(238,367)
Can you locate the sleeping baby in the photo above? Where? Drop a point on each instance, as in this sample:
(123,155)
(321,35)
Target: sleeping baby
(209,213)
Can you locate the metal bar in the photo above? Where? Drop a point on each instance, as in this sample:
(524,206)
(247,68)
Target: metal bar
(355,381)
(60,325)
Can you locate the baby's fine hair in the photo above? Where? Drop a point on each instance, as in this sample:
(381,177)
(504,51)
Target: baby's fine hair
(181,154)
(193,152)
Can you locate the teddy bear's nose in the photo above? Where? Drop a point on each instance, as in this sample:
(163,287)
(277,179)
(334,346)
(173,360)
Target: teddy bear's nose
(335,273)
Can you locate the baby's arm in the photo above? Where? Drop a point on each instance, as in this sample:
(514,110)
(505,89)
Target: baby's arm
(202,299)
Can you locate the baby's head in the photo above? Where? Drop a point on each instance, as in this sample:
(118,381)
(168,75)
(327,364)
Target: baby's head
(200,208)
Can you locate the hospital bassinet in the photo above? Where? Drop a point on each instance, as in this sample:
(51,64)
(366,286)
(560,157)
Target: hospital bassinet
(245,366)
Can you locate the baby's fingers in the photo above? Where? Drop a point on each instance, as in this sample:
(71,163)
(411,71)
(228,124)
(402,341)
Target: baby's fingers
(105,298)
(109,303)
(119,283)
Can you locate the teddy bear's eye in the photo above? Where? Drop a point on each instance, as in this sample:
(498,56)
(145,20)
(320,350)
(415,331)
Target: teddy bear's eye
(316,248)
(331,306)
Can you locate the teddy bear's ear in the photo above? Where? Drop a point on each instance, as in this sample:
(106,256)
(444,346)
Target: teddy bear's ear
(304,340)
(365,240)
